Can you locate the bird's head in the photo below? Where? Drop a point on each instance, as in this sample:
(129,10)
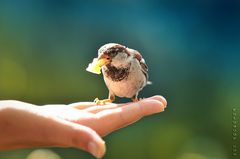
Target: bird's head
(114,54)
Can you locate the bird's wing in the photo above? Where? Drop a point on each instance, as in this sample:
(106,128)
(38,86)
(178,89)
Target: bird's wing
(142,62)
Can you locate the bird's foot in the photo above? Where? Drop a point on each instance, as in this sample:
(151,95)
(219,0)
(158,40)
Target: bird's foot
(137,99)
(102,102)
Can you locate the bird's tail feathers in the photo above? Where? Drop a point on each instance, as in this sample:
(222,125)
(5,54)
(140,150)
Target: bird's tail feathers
(149,83)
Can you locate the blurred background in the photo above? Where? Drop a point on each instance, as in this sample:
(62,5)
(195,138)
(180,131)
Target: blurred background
(192,49)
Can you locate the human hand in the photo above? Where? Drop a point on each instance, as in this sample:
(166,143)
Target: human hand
(77,125)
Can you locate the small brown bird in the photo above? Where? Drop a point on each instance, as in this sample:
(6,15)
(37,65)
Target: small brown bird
(124,71)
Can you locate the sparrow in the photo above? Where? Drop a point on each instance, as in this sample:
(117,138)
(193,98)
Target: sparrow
(124,71)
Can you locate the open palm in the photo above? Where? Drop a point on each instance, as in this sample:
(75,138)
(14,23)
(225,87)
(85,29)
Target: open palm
(79,125)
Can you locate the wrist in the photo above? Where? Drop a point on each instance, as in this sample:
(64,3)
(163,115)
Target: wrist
(22,125)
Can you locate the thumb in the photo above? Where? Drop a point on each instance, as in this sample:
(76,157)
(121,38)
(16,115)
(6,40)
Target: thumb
(79,136)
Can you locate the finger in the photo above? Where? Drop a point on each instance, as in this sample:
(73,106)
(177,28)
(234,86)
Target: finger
(74,135)
(160,98)
(122,116)
(82,105)
(98,108)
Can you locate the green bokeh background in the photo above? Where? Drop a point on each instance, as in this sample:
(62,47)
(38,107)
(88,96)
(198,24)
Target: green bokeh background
(192,49)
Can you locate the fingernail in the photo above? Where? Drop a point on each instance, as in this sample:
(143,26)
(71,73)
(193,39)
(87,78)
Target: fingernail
(96,150)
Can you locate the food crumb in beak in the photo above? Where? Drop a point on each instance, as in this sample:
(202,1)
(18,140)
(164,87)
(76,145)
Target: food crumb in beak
(94,67)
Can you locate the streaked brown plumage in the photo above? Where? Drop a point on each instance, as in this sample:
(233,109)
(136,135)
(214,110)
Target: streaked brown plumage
(125,72)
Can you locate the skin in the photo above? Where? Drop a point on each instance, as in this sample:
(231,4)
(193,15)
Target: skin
(80,125)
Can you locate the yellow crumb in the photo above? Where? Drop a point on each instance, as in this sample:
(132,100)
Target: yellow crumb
(94,67)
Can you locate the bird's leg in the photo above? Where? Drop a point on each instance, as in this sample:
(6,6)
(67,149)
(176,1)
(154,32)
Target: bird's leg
(111,98)
(135,98)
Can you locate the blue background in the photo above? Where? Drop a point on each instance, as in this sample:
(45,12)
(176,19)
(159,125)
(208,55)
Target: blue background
(192,48)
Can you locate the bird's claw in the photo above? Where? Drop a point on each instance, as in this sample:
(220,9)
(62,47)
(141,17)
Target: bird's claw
(137,99)
(102,102)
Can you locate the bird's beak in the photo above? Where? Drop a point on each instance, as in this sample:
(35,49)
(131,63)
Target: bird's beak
(103,60)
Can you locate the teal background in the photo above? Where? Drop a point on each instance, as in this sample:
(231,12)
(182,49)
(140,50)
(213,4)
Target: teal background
(192,49)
